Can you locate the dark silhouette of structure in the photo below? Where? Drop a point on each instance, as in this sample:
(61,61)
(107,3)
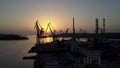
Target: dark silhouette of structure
(104,26)
(73,26)
(72,53)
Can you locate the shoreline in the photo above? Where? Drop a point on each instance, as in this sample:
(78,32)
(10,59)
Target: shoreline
(12,37)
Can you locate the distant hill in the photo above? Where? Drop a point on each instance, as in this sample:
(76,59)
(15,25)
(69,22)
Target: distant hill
(12,37)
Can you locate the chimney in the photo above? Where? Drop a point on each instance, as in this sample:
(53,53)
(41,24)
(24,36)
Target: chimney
(103,25)
(96,26)
(73,26)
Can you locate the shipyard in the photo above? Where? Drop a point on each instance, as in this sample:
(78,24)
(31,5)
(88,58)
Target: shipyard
(59,34)
(98,50)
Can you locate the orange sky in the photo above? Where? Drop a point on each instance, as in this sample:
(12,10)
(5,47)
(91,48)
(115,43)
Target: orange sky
(20,16)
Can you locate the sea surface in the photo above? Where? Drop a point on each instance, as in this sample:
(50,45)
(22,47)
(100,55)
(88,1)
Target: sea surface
(12,52)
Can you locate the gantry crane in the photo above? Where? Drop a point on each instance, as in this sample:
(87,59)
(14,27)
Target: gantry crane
(52,32)
(39,30)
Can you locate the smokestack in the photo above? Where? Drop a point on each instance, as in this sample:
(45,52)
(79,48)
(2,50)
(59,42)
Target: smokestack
(97,26)
(96,30)
(73,26)
(103,25)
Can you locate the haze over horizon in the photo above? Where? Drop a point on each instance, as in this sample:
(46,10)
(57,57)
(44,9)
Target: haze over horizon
(19,16)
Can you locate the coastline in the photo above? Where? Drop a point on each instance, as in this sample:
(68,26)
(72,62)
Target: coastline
(12,37)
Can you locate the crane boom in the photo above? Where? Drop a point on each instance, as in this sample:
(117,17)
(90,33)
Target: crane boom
(38,28)
(39,31)
(48,26)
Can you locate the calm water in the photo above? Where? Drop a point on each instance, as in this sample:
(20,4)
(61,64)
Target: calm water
(12,52)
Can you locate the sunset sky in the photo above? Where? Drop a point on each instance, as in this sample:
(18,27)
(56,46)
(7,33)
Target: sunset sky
(19,16)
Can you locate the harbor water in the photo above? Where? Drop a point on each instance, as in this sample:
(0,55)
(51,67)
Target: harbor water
(12,52)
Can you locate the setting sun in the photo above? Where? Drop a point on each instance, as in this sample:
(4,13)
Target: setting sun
(55,24)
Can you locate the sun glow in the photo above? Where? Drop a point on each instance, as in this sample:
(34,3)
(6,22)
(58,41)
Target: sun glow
(53,24)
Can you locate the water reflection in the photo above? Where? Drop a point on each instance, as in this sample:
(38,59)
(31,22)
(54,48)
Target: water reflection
(46,40)
(11,53)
